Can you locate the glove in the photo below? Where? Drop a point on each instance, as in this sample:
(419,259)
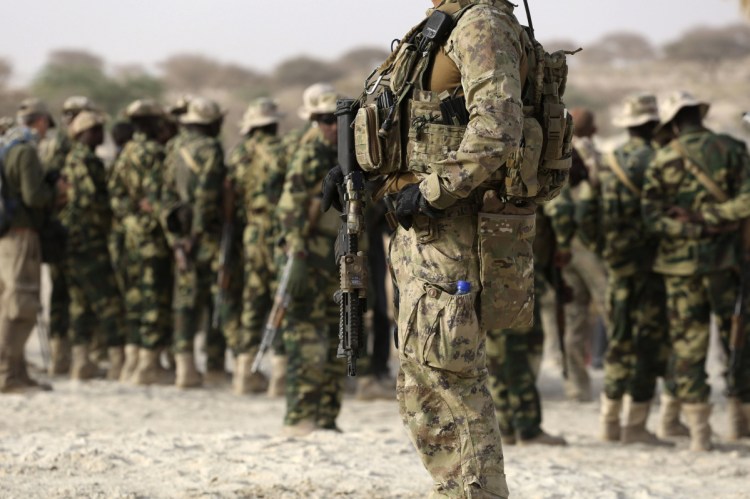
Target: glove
(331,195)
(298,277)
(411,202)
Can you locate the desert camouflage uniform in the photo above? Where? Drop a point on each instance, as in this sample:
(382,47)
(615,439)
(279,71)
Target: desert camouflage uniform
(639,345)
(314,374)
(700,271)
(95,297)
(198,183)
(257,170)
(137,175)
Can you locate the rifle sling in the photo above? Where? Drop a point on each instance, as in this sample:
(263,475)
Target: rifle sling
(700,174)
(619,171)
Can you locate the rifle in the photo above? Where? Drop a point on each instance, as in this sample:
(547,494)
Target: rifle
(276,316)
(225,254)
(352,262)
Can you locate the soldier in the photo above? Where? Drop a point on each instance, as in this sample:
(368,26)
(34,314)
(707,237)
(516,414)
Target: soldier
(191,198)
(95,299)
(53,151)
(6,123)
(257,170)
(695,190)
(135,191)
(639,341)
(582,270)
(20,254)
(314,374)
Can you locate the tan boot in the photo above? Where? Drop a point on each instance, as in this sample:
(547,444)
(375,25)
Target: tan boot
(508,437)
(60,356)
(669,419)
(746,414)
(634,430)
(370,388)
(277,384)
(149,370)
(116,356)
(82,368)
(700,430)
(738,424)
(130,364)
(543,438)
(187,375)
(244,380)
(216,379)
(610,419)
(301,429)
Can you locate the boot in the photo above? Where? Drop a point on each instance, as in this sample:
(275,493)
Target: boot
(277,384)
(60,356)
(610,419)
(216,378)
(669,419)
(244,380)
(187,375)
(149,370)
(634,430)
(370,388)
(301,429)
(700,430)
(82,368)
(116,356)
(130,364)
(738,422)
(543,438)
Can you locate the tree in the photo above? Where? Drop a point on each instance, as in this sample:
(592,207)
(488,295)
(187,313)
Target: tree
(619,47)
(367,58)
(708,45)
(77,58)
(304,71)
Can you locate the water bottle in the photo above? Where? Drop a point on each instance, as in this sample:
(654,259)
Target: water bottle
(463,288)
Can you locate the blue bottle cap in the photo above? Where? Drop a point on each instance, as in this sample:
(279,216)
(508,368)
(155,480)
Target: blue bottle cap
(463,287)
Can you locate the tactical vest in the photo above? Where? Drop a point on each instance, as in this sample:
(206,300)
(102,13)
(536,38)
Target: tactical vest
(404,128)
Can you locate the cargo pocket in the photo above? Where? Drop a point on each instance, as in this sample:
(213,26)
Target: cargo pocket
(521,180)
(506,268)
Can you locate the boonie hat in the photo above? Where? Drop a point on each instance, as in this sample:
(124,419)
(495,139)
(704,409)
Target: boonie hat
(201,111)
(310,98)
(637,110)
(261,112)
(677,101)
(85,121)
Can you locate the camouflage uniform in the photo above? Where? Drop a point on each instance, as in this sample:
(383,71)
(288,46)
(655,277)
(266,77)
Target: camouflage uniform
(95,298)
(137,176)
(314,375)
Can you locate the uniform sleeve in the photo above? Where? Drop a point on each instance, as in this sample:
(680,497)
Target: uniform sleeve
(35,192)
(654,209)
(738,207)
(294,204)
(561,212)
(208,190)
(587,216)
(487,51)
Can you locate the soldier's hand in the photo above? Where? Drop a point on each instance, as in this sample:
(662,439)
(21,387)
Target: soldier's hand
(298,276)
(684,216)
(146,206)
(562,258)
(331,195)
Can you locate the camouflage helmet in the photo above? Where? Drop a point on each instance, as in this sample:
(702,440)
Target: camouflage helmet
(76,104)
(677,101)
(261,112)
(180,106)
(143,108)
(637,110)
(202,111)
(85,120)
(32,106)
(310,98)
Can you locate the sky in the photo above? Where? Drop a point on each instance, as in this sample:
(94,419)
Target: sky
(260,34)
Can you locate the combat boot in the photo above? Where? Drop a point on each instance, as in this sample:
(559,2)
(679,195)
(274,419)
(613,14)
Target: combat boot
(610,419)
(245,381)
(543,438)
(700,430)
(59,356)
(669,419)
(130,364)
(634,430)
(738,423)
(277,384)
(116,357)
(82,368)
(370,388)
(300,429)
(187,375)
(149,370)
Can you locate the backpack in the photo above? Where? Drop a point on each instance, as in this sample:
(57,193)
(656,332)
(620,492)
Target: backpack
(8,205)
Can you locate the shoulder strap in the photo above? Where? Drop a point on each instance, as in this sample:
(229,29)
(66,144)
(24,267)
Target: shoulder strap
(190,161)
(619,171)
(700,174)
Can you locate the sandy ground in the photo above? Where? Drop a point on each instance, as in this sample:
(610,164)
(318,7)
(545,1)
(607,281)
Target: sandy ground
(109,440)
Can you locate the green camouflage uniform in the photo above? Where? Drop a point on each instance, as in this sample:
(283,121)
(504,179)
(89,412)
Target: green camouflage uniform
(137,176)
(195,175)
(639,346)
(95,297)
(52,153)
(314,374)
(700,271)
(257,170)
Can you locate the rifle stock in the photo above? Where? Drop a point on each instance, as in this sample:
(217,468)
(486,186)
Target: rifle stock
(225,254)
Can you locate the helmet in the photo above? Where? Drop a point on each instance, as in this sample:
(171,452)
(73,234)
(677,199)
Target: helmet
(260,112)
(142,108)
(85,120)
(201,111)
(310,98)
(325,104)
(32,106)
(76,104)
(637,110)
